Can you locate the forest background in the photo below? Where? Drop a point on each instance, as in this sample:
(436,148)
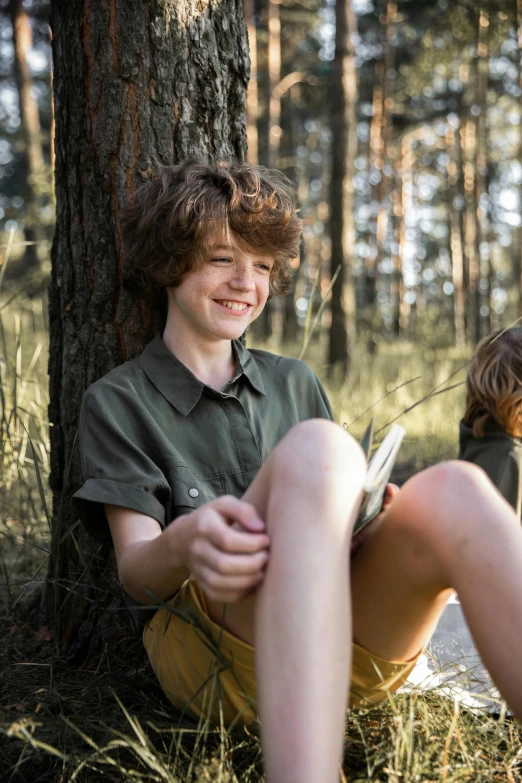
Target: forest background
(401,126)
(407,164)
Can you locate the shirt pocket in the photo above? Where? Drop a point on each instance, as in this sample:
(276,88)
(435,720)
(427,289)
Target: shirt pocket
(190,491)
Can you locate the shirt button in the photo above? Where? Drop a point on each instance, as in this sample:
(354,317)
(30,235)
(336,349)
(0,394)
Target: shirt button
(193,492)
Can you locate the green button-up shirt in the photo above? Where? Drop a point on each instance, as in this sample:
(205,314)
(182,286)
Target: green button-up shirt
(155,439)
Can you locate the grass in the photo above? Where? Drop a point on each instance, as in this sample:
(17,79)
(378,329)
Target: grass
(109,721)
(420,388)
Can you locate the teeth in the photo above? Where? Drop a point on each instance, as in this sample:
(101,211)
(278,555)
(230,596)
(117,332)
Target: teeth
(235,305)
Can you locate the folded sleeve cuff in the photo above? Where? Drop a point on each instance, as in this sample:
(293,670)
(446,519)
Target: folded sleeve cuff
(89,500)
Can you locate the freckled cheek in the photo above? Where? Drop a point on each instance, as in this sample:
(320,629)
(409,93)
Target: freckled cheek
(262,295)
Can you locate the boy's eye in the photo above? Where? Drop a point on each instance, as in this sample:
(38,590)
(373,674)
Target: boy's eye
(221,259)
(265,267)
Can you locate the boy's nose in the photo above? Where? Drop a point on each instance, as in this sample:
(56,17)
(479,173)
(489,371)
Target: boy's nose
(243,280)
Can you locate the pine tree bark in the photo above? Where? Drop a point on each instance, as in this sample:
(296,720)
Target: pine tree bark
(252,93)
(344,151)
(519,233)
(136,87)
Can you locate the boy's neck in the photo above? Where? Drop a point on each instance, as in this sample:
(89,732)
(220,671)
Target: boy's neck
(213,363)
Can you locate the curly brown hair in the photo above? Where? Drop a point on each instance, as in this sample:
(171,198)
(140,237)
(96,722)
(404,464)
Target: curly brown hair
(494,383)
(168,227)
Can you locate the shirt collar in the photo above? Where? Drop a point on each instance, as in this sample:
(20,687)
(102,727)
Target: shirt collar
(179,385)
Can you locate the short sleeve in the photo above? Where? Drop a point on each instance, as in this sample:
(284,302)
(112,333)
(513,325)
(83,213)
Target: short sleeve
(116,466)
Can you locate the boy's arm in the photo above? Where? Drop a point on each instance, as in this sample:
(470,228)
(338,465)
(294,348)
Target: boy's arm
(148,558)
(227,559)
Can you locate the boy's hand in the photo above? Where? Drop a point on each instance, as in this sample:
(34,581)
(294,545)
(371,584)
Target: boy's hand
(226,548)
(368,531)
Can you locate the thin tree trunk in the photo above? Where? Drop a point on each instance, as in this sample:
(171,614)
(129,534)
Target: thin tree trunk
(274,77)
(407,161)
(398,223)
(376,169)
(344,151)
(295,173)
(457,259)
(252,93)
(460,199)
(379,137)
(136,87)
(32,154)
(469,135)
(481,177)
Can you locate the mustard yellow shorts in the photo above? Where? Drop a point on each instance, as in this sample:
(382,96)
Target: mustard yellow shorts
(207,673)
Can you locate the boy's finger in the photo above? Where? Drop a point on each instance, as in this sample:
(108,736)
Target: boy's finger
(235,563)
(236,510)
(228,539)
(389,493)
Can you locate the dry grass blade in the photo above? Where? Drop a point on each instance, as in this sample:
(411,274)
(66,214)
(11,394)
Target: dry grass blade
(381,399)
(20,729)
(309,311)
(5,259)
(319,313)
(419,402)
(41,491)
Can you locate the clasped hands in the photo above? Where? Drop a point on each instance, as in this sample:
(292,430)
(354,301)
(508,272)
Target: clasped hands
(227,547)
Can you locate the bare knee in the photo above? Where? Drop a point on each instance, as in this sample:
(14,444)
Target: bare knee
(319,444)
(446,503)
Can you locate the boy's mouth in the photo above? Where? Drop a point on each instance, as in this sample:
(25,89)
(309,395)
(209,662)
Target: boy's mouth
(233,307)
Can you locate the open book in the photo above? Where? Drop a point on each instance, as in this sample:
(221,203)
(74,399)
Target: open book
(378,472)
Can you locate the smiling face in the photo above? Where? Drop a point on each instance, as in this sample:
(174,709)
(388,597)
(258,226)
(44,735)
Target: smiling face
(223,295)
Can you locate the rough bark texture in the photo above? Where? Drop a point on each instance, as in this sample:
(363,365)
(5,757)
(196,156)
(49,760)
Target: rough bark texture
(137,86)
(252,94)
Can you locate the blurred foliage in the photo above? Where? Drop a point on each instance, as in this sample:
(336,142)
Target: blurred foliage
(427,60)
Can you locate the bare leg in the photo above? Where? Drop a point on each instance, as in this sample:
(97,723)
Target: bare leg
(305,604)
(448,527)
(308,491)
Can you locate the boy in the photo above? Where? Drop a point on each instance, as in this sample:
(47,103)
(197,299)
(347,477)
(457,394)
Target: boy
(237,451)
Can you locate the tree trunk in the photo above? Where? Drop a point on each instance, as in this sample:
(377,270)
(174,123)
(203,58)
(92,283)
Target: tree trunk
(469,139)
(376,171)
(398,233)
(274,77)
(344,151)
(457,259)
(136,87)
(32,155)
(481,176)
(406,167)
(294,172)
(519,29)
(252,94)
(379,154)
